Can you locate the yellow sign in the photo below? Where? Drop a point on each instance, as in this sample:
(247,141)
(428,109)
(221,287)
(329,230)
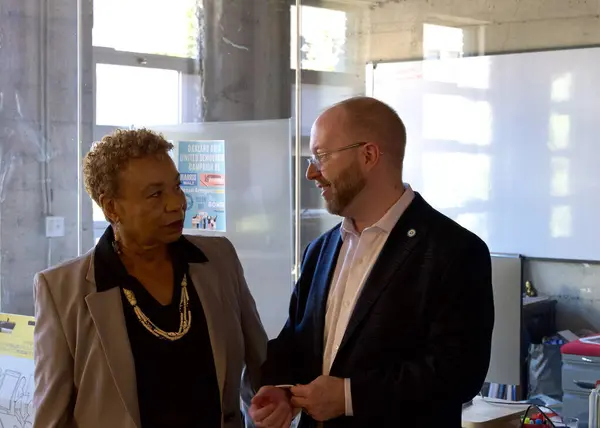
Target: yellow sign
(16,335)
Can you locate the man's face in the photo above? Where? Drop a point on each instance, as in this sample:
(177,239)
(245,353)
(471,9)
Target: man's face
(338,175)
(340,189)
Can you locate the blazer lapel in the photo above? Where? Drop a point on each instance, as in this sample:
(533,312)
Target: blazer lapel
(106,309)
(321,283)
(404,237)
(207,287)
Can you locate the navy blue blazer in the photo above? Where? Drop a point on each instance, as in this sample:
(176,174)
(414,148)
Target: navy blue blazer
(418,342)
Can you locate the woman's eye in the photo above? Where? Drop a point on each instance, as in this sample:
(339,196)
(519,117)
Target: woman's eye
(155,194)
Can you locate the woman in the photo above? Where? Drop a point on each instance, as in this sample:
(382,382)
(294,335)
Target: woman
(150,328)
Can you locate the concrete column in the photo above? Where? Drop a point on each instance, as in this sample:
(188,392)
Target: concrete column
(245,60)
(38,140)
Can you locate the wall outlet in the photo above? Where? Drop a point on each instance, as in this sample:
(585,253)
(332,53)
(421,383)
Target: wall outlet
(55,227)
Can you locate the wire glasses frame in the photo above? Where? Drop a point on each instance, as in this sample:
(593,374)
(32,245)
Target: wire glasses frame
(316,160)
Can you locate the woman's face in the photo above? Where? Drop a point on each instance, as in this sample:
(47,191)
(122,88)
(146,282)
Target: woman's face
(150,205)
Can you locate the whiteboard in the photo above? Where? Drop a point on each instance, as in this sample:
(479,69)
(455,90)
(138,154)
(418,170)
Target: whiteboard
(506,145)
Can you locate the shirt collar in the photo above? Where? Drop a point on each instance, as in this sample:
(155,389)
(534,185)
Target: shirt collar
(109,270)
(389,219)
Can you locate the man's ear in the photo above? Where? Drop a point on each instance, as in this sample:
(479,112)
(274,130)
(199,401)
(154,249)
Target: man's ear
(372,154)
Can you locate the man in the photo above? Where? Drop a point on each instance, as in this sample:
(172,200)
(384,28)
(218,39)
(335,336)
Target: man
(390,323)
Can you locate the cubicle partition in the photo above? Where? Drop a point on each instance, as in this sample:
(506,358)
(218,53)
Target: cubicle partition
(506,365)
(252,202)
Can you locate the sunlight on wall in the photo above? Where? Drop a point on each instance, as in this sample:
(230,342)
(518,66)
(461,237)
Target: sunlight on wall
(452,180)
(475,222)
(561,88)
(561,221)
(560,176)
(559,139)
(457,118)
(559,132)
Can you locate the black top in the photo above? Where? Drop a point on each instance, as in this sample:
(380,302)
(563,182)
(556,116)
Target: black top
(176,380)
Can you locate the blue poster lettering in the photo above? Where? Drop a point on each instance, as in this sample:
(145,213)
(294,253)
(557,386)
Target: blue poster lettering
(202,168)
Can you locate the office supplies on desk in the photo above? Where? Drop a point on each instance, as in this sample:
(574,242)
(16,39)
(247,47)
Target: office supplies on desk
(541,416)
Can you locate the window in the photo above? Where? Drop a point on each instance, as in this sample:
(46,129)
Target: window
(147,77)
(128,96)
(141,45)
(160,27)
(442,42)
(145,54)
(322,38)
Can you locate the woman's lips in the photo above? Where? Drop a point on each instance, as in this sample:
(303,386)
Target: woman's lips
(176,224)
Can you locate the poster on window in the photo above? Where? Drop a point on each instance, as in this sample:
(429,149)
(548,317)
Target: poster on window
(201,164)
(16,370)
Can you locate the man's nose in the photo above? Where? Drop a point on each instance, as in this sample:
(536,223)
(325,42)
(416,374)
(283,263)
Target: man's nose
(312,172)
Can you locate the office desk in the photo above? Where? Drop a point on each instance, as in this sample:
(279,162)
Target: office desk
(492,414)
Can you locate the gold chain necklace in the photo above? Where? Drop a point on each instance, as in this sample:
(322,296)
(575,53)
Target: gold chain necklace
(185,315)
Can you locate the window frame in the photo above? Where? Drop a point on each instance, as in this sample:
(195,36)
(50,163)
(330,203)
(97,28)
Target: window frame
(189,67)
(184,66)
(110,56)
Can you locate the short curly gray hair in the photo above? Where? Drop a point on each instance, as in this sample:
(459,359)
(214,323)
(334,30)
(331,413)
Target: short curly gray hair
(107,157)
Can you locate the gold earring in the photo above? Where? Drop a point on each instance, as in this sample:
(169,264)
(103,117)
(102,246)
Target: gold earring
(116,244)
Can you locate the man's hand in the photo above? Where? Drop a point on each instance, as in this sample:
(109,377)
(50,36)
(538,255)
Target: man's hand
(323,399)
(271,408)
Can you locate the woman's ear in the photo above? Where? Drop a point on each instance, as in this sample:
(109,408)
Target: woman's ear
(108,207)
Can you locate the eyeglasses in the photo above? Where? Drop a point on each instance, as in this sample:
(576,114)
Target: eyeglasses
(317,159)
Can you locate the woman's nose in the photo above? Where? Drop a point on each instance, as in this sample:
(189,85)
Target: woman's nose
(176,202)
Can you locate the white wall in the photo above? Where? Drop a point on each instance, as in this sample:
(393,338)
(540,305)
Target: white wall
(395,29)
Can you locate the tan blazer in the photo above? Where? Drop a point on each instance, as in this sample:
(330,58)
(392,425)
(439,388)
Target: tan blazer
(84,368)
